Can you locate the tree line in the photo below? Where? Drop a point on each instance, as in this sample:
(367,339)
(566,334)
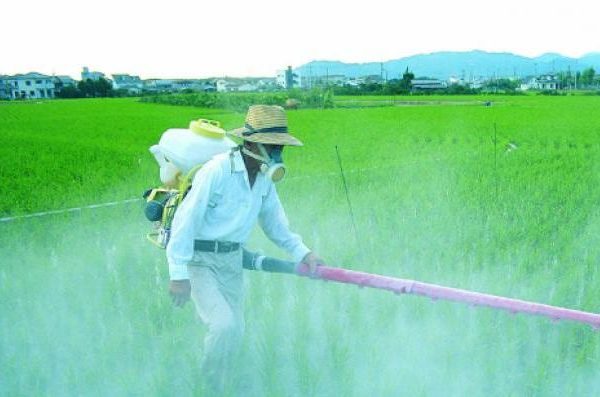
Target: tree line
(89,88)
(583,79)
(586,79)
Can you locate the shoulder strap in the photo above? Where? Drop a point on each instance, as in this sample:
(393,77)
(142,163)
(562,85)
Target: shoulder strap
(186,182)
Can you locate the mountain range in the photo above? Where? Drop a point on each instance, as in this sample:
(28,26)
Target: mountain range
(468,65)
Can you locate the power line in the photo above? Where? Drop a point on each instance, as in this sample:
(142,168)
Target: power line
(62,211)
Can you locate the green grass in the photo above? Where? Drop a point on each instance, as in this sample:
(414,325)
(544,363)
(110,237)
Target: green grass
(84,308)
(70,152)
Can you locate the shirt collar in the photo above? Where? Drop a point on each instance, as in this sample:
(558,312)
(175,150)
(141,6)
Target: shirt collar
(237,164)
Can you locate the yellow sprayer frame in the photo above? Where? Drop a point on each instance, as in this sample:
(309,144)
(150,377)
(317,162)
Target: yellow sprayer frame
(176,196)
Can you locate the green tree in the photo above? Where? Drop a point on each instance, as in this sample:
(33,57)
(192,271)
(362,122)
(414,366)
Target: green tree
(85,87)
(587,76)
(95,88)
(69,92)
(407,78)
(565,78)
(102,88)
(502,85)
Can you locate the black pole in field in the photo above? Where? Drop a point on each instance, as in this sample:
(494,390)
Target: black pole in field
(496,159)
(339,159)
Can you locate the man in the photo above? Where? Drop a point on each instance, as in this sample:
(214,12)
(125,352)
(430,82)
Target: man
(228,195)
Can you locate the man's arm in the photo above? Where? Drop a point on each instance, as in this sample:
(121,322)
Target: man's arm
(275,224)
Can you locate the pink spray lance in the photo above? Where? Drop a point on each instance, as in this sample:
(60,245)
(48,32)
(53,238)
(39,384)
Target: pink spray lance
(253,261)
(402,286)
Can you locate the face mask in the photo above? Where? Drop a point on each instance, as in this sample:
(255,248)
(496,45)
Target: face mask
(271,165)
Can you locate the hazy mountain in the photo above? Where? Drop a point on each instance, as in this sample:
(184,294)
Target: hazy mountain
(592,59)
(459,64)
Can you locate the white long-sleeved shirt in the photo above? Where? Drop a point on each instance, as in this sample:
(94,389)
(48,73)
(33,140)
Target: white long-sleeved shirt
(222,206)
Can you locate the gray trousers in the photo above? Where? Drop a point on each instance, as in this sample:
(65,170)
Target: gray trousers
(217,293)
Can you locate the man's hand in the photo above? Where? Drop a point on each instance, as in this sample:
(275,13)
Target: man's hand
(180,291)
(312,261)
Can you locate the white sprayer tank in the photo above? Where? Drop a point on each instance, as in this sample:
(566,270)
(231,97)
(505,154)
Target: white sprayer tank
(180,150)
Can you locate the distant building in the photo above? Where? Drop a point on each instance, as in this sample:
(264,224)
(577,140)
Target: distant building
(353,82)
(476,83)
(473,83)
(331,79)
(4,87)
(545,83)
(61,82)
(133,84)
(247,87)
(158,85)
(207,86)
(27,86)
(173,85)
(372,79)
(180,85)
(221,85)
(288,79)
(453,80)
(265,84)
(428,85)
(87,75)
(193,84)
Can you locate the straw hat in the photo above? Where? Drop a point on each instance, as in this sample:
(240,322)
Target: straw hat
(266,124)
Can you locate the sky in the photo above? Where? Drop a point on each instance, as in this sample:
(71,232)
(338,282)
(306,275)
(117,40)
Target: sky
(201,39)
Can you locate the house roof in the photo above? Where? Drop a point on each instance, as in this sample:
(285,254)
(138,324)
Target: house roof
(428,83)
(30,75)
(125,76)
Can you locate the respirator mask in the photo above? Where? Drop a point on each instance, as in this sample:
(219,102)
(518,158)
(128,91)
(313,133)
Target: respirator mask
(271,164)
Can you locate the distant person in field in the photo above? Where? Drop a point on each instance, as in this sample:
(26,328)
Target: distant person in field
(228,195)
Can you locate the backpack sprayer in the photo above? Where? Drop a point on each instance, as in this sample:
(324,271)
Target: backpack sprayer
(181,152)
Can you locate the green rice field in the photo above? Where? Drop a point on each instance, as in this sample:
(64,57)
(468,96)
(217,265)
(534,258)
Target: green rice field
(502,199)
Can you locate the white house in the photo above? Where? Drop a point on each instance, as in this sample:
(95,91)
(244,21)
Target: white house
(247,87)
(222,85)
(4,87)
(288,79)
(476,83)
(266,83)
(63,81)
(280,79)
(27,86)
(87,75)
(132,84)
(158,84)
(545,82)
(427,84)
